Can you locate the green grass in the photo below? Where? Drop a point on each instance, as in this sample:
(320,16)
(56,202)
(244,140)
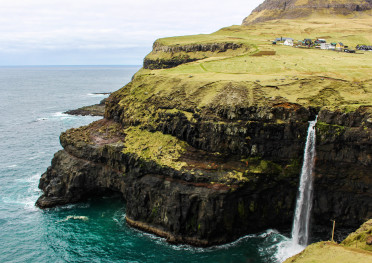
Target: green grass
(327,252)
(358,238)
(352,249)
(349,31)
(304,76)
(156,146)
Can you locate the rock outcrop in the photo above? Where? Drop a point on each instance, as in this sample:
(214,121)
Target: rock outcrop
(290,9)
(169,56)
(93,110)
(186,194)
(361,238)
(209,175)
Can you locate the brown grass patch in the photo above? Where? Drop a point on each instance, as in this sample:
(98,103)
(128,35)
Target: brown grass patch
(264,53)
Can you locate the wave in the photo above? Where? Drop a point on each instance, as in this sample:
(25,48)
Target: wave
(32,179)
(185,247)
(119,217)
(41,119)
(28,202)
(275,247)
(71,206)
(98,94)
(63,116)
(28,196)
(73,217)
(36,155)
(54,116)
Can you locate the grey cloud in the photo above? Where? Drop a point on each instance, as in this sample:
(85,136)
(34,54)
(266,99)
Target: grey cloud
(27,25)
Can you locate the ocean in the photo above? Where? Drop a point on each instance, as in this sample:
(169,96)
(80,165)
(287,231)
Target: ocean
(32,102)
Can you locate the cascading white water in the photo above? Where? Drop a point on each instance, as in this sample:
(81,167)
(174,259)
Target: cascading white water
(300,229)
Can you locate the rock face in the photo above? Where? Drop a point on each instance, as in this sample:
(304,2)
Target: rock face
(169,56)
(290,9)
(369,241)
(203,182)
(206,159)
(343,167)
(212,199)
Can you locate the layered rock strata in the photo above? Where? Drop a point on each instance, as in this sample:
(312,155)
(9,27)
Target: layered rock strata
(343,171)
(201,181)
(169,56)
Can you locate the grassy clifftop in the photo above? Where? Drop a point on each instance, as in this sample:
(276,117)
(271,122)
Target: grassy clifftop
(328,252)
(353,249)
(243,58)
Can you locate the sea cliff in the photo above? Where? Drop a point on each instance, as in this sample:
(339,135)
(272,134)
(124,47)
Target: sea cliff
(210,176)
(205,144)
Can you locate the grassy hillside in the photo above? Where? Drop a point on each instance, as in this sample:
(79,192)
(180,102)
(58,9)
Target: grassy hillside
(268,72)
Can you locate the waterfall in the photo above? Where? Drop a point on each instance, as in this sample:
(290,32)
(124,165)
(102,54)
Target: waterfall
(300,229)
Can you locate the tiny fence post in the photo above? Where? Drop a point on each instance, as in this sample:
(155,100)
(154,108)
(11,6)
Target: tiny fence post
(333,230)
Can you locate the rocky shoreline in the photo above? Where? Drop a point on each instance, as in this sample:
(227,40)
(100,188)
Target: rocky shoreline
(92,110)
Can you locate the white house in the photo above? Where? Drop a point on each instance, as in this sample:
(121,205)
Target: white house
(326,46)
(288,42)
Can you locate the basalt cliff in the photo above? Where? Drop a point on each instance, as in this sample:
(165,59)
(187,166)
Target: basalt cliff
(205,144)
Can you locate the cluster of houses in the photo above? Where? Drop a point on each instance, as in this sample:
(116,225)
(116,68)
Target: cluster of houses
(364,47)
(319,43)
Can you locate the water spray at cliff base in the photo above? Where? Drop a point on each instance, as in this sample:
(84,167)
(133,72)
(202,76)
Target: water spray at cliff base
(300,228)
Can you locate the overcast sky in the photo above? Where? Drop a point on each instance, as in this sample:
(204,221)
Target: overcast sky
(104,32)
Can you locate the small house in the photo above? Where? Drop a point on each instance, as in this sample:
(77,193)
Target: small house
(307,42)
(283,39)
(288,42)
(320,41)
(340,46)
(326,46)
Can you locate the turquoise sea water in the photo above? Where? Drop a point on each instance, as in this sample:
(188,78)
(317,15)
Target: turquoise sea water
(32,100)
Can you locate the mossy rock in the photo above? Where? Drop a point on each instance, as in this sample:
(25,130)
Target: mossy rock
(358,239)
(330,129)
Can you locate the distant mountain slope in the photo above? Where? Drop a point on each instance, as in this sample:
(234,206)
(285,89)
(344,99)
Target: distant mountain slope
(289,9)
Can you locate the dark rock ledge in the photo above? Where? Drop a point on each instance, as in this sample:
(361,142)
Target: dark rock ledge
(93,110)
